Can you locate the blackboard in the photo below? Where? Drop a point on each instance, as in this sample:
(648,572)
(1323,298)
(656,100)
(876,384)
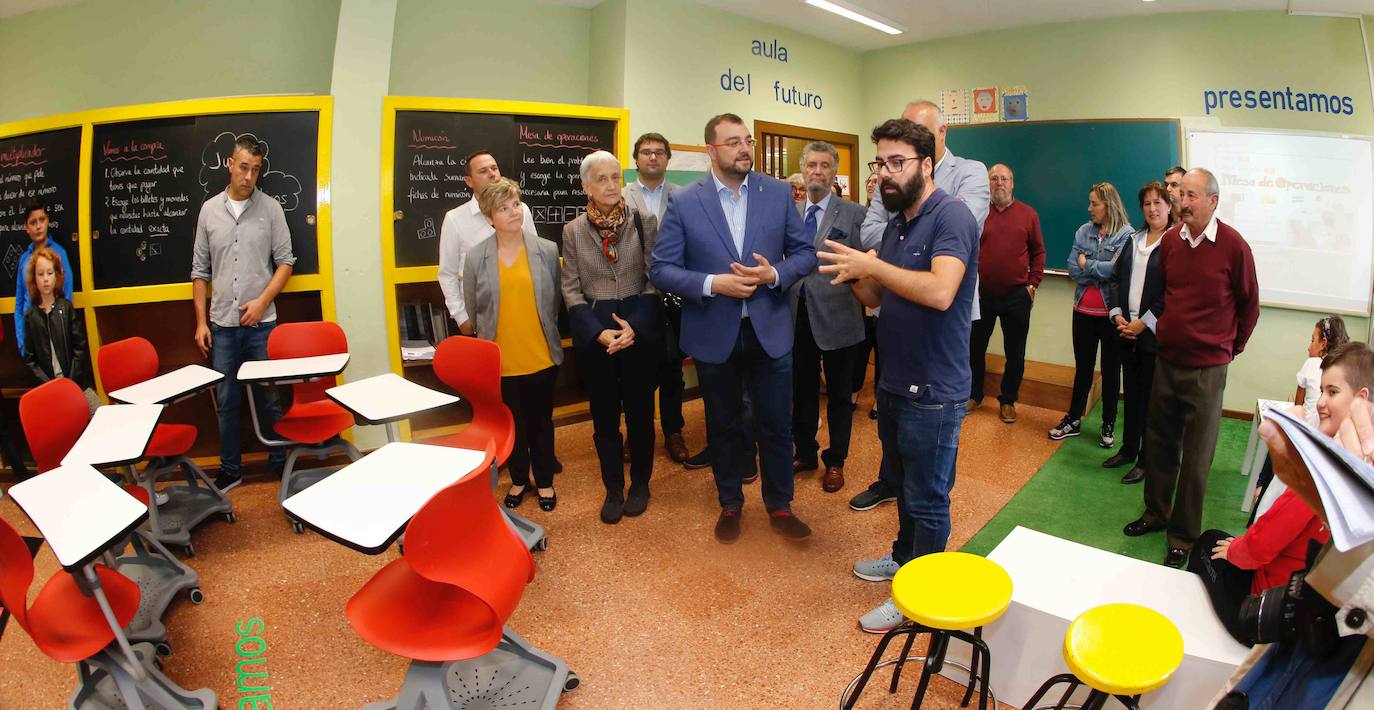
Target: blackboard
(541,153)
(1055,163)
(39,166)
(150,178)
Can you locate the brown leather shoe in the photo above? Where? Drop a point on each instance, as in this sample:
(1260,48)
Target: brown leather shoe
(799,466)
(1009,413)
(833,479)
(727,526)
(788,525)
(677,448)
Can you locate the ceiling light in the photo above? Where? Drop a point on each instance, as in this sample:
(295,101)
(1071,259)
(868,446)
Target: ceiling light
(850,12)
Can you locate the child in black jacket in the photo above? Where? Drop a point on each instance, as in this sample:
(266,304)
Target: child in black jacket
(54,334)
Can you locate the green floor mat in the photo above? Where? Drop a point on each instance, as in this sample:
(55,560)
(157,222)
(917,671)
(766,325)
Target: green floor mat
(1073,497)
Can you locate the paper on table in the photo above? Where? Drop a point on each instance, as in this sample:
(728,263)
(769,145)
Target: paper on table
(1344,482)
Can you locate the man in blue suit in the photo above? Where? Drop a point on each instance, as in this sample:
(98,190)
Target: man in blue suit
(731,244)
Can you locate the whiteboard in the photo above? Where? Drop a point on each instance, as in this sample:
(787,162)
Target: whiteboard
(1305,204)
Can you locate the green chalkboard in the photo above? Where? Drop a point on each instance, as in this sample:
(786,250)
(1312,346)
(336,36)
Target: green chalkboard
(1056,162)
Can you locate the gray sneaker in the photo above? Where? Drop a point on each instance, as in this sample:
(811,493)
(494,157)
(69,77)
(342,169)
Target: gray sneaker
(879,570)
(882,619)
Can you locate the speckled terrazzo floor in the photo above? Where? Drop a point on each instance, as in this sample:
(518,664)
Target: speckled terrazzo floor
(651,613)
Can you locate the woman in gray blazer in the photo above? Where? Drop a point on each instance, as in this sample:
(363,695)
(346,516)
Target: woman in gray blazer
(616,321)
(510,285)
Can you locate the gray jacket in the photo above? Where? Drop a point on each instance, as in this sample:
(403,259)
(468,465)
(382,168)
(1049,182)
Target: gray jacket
(635,197)
(836,316)
(482,289)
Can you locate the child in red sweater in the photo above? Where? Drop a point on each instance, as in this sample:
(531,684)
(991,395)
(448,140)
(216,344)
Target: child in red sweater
(1276,545)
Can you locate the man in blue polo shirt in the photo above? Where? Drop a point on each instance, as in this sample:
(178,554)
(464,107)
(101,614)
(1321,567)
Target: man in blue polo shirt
(924,278)
(36,226)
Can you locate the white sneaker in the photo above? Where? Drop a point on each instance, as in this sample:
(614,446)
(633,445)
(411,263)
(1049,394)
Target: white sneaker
(879,570)
(882,619)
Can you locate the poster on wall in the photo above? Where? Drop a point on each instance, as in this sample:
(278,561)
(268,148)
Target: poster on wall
(985,108)
(1015,103)
(954,105)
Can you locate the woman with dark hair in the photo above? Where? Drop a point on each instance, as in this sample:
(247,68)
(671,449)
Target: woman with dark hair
(1095,246)
(1135,299)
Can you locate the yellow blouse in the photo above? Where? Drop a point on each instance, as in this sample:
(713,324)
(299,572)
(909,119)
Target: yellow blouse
(518,331)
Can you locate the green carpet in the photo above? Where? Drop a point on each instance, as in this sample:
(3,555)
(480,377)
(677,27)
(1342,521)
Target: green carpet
(1073,497)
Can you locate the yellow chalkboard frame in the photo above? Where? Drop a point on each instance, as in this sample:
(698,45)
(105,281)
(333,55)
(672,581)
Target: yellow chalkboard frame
(393,275)
(89,297)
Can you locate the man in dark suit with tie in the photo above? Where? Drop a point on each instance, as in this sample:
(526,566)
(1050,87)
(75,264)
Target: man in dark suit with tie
(731,245)
(829,325)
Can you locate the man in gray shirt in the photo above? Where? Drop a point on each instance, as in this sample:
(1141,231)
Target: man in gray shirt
(964,180)
(243,251)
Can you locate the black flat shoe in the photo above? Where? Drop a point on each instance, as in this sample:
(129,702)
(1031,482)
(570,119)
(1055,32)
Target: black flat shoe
(1139,527)
(612,509)
(1176,557)
(513,500)
(1135,475)
(1120,459)
(548,504)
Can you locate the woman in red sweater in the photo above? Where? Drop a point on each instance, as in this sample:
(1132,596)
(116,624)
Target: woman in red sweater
(1275,546)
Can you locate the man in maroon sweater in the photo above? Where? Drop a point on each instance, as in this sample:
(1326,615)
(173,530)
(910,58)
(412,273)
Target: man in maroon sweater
(1211,304)
(1011,262)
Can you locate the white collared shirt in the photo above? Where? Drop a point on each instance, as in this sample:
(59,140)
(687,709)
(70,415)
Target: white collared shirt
(1210,233)
(464,228)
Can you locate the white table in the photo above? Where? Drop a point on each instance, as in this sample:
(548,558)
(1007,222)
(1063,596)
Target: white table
(387,399)
(367,504)
(118,434)
(170,387)
(1054,580)
(292,369)
(1256,453)
(78,511)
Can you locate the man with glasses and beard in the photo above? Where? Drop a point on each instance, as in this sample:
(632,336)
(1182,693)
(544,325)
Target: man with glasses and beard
(731,245)
(924,278)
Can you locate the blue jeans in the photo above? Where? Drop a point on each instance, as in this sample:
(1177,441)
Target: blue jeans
(769,382)
(920,442)
(230,348)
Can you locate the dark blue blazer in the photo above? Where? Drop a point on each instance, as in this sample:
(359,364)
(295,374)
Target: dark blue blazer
(694,241)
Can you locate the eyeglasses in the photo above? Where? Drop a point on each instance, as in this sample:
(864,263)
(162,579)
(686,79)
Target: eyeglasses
(734,143)
(894,164)
(653,153)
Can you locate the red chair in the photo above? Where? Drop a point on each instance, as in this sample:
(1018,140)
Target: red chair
(125,363)
(53,416)
(313,423)
(69,626)
(472,368)
(444,604)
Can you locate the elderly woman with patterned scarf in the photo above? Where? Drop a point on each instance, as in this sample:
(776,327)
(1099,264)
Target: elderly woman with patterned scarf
(616,327)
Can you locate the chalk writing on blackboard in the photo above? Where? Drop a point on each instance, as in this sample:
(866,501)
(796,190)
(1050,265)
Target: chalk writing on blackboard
(12,254)
(280,186)
(140,194)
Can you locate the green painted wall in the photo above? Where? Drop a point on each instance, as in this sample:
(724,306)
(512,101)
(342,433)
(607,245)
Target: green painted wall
(676,52)
(514,49)
(96,53)
(1150,67)
(606,68)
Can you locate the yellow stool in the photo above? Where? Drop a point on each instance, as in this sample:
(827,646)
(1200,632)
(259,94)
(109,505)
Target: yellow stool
(1120,650)
(942,594)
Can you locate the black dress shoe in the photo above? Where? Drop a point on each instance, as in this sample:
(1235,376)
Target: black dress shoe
(513,500)
(873,413)
(612,509)
(637,502)
(1176,557)
(548,503)
(1140,526)
(1120,459)
(700,459)
(799,466)
(1135,475)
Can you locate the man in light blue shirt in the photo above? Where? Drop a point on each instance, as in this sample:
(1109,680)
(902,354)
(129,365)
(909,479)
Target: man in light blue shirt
(731,245)
(964,180)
